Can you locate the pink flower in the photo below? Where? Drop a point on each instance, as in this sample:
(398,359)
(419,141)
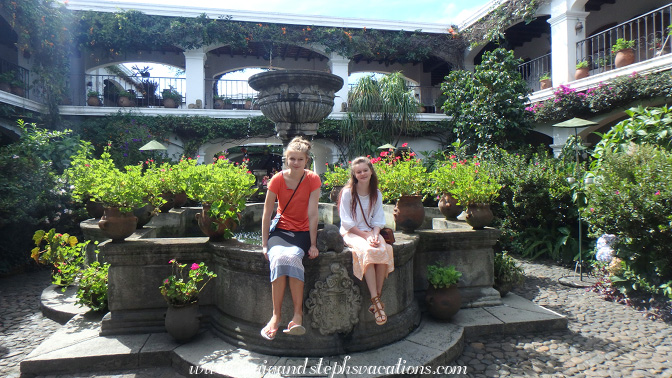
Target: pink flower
(171,261)
(617,192)
(404,145)
(477,164)
(411,154)
(166,281)
(657,193)
(194,266)
(592,209)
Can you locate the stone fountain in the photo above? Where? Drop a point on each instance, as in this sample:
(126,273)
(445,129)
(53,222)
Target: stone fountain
(296,100)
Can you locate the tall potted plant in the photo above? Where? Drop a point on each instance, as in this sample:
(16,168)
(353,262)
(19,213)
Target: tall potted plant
(402,178)
(625,55)
(441,182)
(582,70)
(222,188)
(126,98)
(93,98)
(335,179)
(171,97)
(443,297)
(181,290)
(475,186)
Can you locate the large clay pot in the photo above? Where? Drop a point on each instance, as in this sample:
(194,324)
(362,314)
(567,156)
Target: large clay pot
(581,73)
(443,303)
(409,213)
(5,87)
(94,209)
(179,200)
(183,322)
(170,202)
(624,58)
(125,102)
(479,215)
(335,193)
(19,91)
(117,225)
(144,215)
(212,227)
(170,103)
(93,101)
(448,206)
(545,84)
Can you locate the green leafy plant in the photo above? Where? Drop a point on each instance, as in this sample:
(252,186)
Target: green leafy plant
(468,181)
(486,105)
(171,93)
(124,93)
(400,174)
(508,273)
(336,175)
(95,94)
(545,76)
(7,77)
(92,291)
(63,252)
(224,185)
(182,288)
(582,64)
(622,44)
(441,276)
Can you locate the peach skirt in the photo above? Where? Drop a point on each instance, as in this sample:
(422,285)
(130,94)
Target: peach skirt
(364,254)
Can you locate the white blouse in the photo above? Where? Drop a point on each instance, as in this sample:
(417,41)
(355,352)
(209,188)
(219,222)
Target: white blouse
(375,218)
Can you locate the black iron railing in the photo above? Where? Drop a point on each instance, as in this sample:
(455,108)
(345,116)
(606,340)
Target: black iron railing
(534,69)
(649,33)
(147,91)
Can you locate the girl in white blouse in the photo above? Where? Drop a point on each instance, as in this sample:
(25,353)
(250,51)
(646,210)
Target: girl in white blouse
(361,211)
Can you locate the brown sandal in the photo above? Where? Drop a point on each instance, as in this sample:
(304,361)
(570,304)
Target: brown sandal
(372,309)
(378,307)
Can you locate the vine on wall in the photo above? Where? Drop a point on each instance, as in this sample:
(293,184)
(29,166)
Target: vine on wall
(491,27)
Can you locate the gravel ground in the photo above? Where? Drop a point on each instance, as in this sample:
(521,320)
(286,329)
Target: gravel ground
(603,339)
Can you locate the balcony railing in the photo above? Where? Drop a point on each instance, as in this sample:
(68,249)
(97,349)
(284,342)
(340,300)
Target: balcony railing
(534,69)
(649,32)
(236,91)
(21,74)
(147,90)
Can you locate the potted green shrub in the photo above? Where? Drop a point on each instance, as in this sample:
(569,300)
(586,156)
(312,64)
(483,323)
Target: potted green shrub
(402,178)
(6,79)
(126,98)
(222,188)
(181,290)
(335,179)
(508,274)
(248,103)
(623,49)
(545,80)
(171,97)
(222,103)
(582,70)
(475,186)
(93,98)
(441,182)
(443,297)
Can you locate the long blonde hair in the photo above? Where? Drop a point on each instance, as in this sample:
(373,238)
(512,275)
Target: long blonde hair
(352,184)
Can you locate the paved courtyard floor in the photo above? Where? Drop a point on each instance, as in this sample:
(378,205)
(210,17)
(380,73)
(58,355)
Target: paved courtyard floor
(603,339)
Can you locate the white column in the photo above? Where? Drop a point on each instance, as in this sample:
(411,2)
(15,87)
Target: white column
(339,66)
(194,64)
(564,36)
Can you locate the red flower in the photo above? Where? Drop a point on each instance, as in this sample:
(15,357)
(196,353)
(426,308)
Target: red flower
(194,266)
(404,145)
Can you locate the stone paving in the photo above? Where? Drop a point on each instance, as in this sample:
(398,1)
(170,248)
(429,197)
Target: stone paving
(603,339)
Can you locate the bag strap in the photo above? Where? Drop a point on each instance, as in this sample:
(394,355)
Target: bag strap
(362,210)
(295,189)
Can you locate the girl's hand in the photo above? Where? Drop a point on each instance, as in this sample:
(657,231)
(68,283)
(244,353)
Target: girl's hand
(265,251)
(313,252)
(372,239)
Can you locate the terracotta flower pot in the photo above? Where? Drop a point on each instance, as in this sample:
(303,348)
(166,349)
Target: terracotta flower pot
(212,227)
(448,206)
(183,322)
(624,58)
(5,87)
(179,200)
(170,103)
(94,209)
(581,73)
(170,202)
(125,102)
(545,84)
(443,303)
(117,225)
(93,101)
(479,215)
(19,91)
(409,213)
(335,193)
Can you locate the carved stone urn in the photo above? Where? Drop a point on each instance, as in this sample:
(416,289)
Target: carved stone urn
(296,100)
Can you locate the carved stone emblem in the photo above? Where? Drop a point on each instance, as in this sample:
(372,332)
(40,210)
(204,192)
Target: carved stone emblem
(334,303)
